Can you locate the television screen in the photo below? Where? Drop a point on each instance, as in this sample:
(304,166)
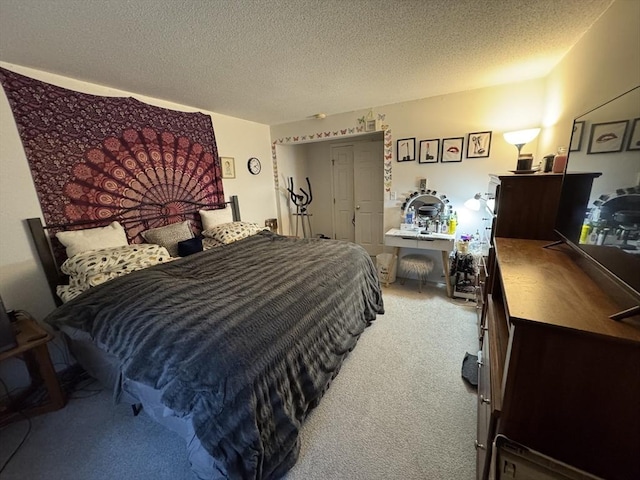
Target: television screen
(604,223)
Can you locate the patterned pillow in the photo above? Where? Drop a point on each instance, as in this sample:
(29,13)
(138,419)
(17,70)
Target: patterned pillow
(211,218)
(78,241)
(89,269)
(169,236)
(232,232)
(114,259)
(208,242)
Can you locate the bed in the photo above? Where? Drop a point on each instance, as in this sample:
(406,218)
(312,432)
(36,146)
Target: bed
(230,347)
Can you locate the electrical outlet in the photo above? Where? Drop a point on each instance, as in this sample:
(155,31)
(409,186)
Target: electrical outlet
(392,195)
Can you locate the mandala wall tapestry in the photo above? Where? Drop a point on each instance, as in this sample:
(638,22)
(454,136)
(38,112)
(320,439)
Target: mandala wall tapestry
(95,158)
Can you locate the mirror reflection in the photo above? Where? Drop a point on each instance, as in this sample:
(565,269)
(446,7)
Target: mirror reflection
(603,223)
(606,140)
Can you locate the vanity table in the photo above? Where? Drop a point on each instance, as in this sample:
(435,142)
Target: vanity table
(434,206)
(442,242)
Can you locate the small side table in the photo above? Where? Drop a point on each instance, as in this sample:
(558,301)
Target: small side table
(32,342)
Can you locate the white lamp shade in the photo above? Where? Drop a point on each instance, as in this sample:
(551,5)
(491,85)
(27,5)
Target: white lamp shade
(520,137)
(473,204)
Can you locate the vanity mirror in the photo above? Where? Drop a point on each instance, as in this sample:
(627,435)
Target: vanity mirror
(430,208)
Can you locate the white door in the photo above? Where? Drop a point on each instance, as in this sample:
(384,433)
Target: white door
(369,196)
(343,207)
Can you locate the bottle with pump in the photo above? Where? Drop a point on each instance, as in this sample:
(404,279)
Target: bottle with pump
(453,223)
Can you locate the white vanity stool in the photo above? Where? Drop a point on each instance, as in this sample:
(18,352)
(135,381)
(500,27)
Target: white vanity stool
(415,264)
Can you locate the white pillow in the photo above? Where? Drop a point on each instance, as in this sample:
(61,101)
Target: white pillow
(78,241)
(169,236)
(211,218)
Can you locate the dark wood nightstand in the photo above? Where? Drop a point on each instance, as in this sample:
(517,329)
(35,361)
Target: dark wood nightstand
(32,342)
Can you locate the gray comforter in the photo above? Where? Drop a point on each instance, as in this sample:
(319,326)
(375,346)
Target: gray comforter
(244,338)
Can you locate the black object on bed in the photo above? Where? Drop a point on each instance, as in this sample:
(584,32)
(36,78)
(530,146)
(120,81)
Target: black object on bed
(243,340)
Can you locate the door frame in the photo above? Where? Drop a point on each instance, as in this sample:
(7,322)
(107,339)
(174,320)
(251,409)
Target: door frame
(342,134)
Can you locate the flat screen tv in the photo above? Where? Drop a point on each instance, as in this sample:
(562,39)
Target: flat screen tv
(604,223)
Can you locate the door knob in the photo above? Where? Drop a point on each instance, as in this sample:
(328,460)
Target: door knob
(357,207)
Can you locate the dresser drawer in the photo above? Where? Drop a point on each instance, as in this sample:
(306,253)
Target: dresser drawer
(484,411)
(395,241)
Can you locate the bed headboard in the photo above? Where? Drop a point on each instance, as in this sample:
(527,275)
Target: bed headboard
(49,249)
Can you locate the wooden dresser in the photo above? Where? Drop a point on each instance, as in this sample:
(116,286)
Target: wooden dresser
(526,204)
(555,373)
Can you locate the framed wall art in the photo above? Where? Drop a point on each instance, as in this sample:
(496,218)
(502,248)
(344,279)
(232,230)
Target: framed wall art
(576,137)
(406,149)
(228,165)
(607,137)
(634,136)
(451,150)
(478,144)
(429,150)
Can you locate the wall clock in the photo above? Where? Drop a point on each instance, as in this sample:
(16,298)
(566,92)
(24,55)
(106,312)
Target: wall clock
(254,165)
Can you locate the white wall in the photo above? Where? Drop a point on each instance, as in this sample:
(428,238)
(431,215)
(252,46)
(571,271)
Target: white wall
(22,281)
(604,64)
(496,109)
(599,68)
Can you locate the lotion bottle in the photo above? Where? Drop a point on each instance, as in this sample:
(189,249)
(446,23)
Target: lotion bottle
(453,223)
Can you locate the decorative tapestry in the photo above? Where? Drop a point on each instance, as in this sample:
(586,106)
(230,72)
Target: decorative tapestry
(94,158)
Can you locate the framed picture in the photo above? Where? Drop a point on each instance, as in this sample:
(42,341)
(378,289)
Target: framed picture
(478,144)
(429,150)
(370,125)
(607,137)
(576,137)
(634,137)
(451,150)
(228,165)
(406,149)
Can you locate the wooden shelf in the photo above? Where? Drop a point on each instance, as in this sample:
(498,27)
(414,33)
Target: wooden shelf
(32,346)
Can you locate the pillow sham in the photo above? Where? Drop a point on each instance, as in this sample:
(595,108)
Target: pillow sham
(208,243)
(92,268)
(211,218)
(78,241)
(114,259)
(169,236)
(232,232)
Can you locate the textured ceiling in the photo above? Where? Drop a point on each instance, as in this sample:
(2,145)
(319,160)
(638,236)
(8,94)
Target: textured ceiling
(277,61)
